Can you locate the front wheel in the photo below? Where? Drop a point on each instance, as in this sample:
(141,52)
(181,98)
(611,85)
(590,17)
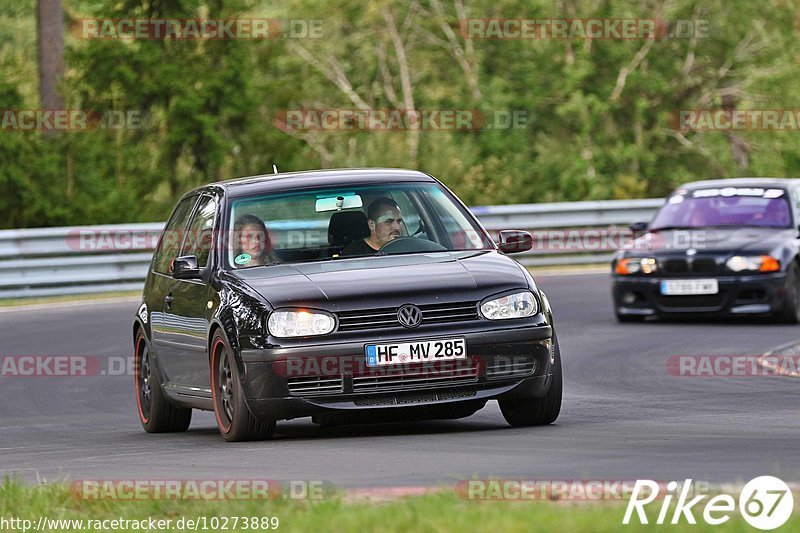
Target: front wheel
(156,413)
(537,411)
(235,421)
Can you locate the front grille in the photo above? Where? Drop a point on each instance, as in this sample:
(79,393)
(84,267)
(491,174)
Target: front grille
(309,385)
(682,266)
(433,377)
(510,369)
(387,317)
(704,266)
(676,266)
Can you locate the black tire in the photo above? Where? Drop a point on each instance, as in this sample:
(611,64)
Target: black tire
(156,413)
(626,319)
(235,421)
(537,411)
(790,313)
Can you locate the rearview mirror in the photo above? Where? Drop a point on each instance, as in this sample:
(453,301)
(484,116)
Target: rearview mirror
(337,203)
(514,241)
(185,267)
(637,227)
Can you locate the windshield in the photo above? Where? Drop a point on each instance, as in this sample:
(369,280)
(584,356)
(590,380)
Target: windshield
(361,221)
(727,206)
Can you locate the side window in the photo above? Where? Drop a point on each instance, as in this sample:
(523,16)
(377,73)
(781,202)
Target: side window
(170,241)
(201,230)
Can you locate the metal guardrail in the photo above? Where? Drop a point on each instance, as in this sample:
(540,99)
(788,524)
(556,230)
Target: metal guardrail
(87,259)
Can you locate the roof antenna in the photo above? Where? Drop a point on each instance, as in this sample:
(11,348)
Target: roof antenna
(274,169)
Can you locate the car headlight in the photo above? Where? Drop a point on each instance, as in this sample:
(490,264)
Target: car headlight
(636,265)
(760,263)
(517,305)
(300,323)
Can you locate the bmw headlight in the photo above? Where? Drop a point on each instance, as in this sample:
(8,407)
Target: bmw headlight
(300,323)
(636,265)
(759,263)
(517,305)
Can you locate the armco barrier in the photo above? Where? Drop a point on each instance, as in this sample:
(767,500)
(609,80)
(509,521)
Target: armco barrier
(55,261)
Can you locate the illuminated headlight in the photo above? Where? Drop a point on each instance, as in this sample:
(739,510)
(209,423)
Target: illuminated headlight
(760,263)
(636,265)
(517,305)
(300,323)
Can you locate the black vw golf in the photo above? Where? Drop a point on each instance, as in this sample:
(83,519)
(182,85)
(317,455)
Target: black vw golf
(344,295)
(722,247)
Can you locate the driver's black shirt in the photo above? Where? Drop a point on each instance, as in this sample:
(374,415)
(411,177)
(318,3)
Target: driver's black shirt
(359,247)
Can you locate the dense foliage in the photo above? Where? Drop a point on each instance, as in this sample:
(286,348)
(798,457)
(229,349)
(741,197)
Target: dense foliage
(598,112)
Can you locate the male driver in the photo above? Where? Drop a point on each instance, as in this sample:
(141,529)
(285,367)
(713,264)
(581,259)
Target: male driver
(384,220)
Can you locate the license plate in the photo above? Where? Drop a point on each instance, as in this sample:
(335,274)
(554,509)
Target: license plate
(682,287)
(415,352)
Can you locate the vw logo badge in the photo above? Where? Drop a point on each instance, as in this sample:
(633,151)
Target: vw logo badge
(410,316)
(691,251)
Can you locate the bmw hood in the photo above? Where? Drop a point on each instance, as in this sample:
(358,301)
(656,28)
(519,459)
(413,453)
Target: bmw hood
(712,241)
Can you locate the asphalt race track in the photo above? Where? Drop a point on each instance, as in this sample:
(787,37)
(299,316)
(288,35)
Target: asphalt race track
(624,416)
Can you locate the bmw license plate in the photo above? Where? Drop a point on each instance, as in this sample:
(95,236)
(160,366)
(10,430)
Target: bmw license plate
(682,287)
(415,352)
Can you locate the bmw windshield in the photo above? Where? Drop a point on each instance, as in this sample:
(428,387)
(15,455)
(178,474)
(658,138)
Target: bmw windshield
(358,221)
(725,207)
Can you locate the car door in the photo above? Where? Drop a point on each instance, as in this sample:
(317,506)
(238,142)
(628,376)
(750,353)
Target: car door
(186,311)
(161,281)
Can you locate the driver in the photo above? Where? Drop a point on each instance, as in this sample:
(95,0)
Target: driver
(385,220)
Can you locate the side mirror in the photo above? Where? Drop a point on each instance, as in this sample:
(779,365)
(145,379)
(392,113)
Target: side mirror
(185,267)
(638,227)
(514,241)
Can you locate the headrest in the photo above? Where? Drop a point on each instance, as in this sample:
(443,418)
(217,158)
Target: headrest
(346,227)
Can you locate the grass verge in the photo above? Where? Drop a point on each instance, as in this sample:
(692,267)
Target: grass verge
(435,512)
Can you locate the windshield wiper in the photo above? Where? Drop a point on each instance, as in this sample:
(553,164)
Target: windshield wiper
(662,228)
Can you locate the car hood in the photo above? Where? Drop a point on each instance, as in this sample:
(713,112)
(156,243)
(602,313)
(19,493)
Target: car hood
(375,282)
(713,241)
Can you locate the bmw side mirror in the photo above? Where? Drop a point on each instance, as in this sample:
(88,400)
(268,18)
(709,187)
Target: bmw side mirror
(638,227)
(185,267)
(514,241)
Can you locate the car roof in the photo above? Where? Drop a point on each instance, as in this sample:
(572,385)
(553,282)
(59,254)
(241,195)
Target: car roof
(314,178)
(741,182)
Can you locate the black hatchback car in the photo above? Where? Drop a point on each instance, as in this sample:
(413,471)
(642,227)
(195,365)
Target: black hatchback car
(716,248)
(345,295)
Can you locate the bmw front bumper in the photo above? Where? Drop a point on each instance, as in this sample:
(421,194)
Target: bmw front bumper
(757,294)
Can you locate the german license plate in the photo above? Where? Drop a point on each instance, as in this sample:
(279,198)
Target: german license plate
(416,351)
(682,287)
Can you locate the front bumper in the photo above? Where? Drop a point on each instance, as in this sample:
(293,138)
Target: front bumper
(759,294)
(283,382)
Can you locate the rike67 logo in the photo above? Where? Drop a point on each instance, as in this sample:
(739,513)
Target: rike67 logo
(765,503)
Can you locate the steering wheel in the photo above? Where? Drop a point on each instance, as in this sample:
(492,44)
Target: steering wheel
(404,245)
